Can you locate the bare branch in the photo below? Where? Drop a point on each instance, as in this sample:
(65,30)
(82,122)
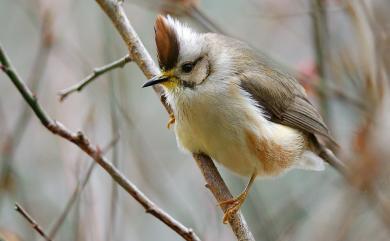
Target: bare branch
(34,80)
(114,188)
(221,193)
(71,201)
(94,152)
(95,73)
(77,191)
(343,96)
(370,192)
(320,36)
(33,223)
(143,59)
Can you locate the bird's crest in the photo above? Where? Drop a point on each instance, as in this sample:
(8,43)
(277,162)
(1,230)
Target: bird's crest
(167,43)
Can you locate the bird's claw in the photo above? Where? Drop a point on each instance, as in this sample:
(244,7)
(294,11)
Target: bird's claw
(234,206)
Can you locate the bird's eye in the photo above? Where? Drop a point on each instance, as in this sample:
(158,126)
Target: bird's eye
(187,67)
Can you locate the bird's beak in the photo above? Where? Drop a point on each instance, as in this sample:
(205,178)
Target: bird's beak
(158,79)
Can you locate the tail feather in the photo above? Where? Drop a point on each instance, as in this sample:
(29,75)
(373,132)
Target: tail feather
(310,161)
(327,155)
(330,158)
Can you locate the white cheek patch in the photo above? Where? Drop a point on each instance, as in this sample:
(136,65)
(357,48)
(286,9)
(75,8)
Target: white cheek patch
(200,72)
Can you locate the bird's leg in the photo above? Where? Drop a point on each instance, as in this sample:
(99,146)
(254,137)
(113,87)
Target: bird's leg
(236,203)
(171,120)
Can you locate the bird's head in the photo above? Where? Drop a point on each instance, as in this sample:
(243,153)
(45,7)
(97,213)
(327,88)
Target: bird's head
(182,56)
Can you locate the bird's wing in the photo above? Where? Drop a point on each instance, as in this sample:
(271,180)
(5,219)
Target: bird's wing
(283,99)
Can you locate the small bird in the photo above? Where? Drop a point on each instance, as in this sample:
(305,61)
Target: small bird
(233,104)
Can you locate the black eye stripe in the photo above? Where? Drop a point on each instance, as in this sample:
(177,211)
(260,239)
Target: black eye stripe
(189,66)
(186,84)
(197,60)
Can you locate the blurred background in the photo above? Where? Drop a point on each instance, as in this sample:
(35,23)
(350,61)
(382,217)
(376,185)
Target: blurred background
(339,50)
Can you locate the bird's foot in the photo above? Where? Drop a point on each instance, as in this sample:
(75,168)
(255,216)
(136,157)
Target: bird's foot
(234,206)
(171,120)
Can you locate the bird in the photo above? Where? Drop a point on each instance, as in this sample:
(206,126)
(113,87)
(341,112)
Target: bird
(234,104)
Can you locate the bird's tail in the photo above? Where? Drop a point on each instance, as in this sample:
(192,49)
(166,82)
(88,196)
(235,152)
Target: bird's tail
(327,155)
(331,158)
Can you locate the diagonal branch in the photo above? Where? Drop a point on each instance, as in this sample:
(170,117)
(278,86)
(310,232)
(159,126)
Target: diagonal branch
(94,152)
(221,193)
(33,223)
(14,137)
(77,191)
(95,73)
(140,55)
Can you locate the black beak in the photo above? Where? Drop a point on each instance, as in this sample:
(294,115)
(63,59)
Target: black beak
(156,80)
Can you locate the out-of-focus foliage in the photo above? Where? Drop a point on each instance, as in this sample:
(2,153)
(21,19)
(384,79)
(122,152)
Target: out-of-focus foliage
(54,44)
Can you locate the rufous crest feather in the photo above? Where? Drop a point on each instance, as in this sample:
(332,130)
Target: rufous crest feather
(167,43)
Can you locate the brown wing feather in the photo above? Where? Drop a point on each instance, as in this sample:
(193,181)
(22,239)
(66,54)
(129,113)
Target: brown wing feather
(277,93)
(284,100)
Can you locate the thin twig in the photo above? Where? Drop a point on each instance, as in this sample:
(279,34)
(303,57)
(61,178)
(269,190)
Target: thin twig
(200,17)
(320,36)
(33,223)
(343,96)
(71,201)
(77,191)
(95,73)
(383,205)
(115,161)
(15,136)
(372,194)
(94,152)
(143,59)
(334,91)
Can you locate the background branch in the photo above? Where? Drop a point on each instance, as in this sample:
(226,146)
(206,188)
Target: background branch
(33,223)
(221,192)
(8,174)
(95,73)
(77,191)
(320,36)
(143,59)
(94,152)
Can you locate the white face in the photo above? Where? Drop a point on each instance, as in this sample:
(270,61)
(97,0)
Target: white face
(193,66)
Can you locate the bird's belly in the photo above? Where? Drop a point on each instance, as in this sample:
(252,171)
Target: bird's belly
(243,146)
(224,145)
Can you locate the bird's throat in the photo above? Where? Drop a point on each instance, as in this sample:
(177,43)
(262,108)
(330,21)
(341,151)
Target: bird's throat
(170,84)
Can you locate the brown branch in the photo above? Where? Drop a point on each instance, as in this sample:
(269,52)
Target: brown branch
(94,152)
(34,80)
(140,55)
(77,191)
(71,201)
(221,193)
(95,73)
(33,223)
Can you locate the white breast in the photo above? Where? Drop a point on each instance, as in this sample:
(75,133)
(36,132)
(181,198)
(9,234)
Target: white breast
(215,123)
